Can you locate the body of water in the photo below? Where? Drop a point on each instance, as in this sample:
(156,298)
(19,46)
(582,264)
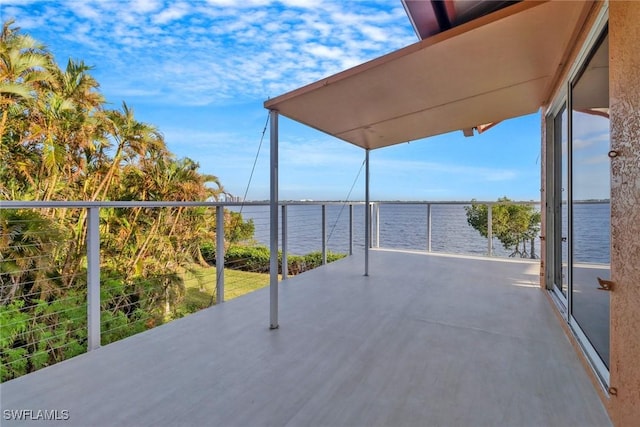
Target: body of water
(404,226)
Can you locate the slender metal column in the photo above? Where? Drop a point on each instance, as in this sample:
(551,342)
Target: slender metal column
(350,229)
(93,278)
(285,264)
(219,254)
(324,234)
(367,215)
(490,230)
(273,213)
(429,227)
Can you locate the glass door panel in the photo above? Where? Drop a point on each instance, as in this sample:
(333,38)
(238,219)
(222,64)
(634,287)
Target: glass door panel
(590,190)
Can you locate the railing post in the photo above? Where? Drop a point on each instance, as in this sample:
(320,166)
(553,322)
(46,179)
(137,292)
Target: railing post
(273,222)
(285,264)
(351,229)
(429,227)
(219,254)
(93,278)
(324,234)
(490,230)
(377,210)
(370,242)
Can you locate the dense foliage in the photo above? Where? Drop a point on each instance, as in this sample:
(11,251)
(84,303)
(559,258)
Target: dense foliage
(59,140)
(515,225)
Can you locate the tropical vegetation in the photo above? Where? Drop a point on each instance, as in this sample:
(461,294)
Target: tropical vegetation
(59,141)
(515,225)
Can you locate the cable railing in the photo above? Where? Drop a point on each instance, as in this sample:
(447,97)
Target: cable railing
(78,275)
(445,227)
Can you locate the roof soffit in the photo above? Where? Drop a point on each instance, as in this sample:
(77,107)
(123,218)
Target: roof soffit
(496,67)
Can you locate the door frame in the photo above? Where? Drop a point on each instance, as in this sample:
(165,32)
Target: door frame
(563,99)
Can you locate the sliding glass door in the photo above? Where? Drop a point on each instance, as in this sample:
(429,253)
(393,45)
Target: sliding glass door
(579,184)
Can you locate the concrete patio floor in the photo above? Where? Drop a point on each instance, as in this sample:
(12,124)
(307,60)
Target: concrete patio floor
(425,340)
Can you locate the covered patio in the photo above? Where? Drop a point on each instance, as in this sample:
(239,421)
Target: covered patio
(425,340)
(489,68)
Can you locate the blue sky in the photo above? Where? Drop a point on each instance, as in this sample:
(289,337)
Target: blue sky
(201,70)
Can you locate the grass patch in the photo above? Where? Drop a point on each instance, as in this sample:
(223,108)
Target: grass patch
(200,282)
(238,283)
(200,287)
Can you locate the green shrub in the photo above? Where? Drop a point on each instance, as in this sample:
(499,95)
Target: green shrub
(41,334)
(257,259)
(296,264)
(314,259)
(13,324)
(208,251)
(247,258)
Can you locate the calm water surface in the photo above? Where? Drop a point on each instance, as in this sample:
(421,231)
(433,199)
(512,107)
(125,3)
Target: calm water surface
(404,226)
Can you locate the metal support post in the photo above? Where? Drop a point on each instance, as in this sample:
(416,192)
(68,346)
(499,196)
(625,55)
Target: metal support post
(219,254)
(429,227)
(285,264)
(324,234)
(273,213)
(93,278)
(367,215)
(490,230)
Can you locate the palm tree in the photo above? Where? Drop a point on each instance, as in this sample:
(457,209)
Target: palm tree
(24,67)
(24,70)
(133,139)
(81,126)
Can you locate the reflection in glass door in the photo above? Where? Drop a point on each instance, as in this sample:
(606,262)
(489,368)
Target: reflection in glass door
(590,190)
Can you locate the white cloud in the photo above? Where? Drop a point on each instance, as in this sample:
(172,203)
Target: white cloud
(86,10)
(7,3)
(214,51)
(238,4)
(374,33)
(324,51)
(145,6)
(9,12)
(172,13)
(308,4)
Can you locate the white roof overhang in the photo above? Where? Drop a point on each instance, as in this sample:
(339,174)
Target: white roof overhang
(496,67)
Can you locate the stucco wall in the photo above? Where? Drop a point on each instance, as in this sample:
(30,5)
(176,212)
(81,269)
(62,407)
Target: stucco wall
(624,86)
